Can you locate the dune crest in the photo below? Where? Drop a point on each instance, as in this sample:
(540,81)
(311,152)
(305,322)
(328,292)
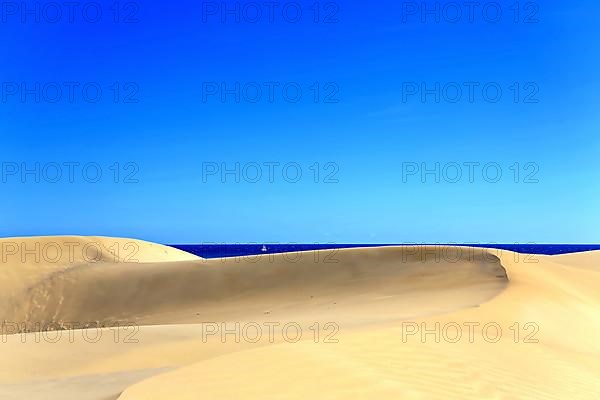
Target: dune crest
(378,283)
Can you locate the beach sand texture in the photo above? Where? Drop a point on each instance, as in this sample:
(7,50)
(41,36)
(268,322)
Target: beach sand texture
(364,323)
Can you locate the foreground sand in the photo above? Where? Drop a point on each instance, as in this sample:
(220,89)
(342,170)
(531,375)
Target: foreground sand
(404,322)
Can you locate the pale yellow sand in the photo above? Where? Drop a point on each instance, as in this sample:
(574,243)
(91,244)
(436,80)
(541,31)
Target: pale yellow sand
(368,306)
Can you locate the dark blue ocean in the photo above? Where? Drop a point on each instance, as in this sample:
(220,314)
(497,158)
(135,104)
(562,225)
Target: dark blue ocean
(233,250)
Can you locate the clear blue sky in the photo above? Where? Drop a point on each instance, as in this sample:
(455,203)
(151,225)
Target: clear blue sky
(367,120)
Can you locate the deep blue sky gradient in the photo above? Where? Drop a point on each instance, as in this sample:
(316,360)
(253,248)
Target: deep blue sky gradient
(368,133)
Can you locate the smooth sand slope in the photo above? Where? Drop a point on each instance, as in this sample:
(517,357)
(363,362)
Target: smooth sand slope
(403,322)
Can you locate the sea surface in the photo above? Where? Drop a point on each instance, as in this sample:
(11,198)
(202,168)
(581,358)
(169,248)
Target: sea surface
(234,250)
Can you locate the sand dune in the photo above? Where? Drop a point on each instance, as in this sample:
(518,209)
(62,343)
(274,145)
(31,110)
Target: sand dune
(28,263)
(28,260)
(351,323)
(380,281)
